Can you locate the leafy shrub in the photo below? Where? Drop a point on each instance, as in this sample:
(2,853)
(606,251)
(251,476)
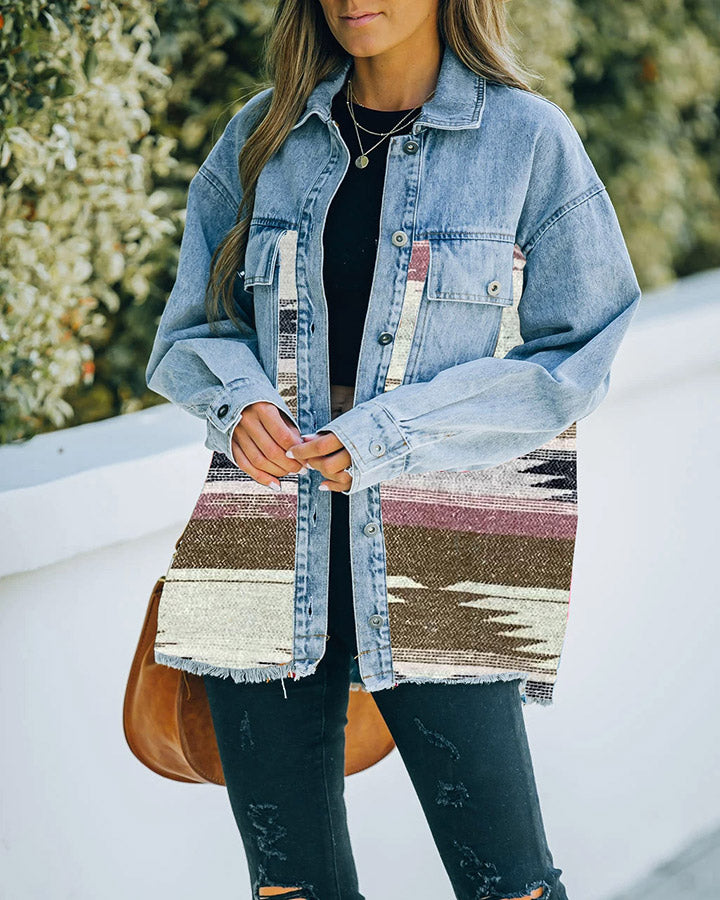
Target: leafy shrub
(80,219)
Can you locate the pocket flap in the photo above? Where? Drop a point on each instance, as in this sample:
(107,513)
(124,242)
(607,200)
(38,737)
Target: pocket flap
(478,270)
(261,254)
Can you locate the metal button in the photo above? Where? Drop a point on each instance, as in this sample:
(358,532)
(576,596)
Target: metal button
(377,448)
(493,288)
(376,621)
(371,528)
(399,238)
(384,337)
(223,410)
(411,146)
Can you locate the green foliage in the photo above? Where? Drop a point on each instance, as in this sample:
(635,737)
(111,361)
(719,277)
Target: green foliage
(107,107)
(648,89)
(82,223)
(644,93)
(211,54)
(30,70)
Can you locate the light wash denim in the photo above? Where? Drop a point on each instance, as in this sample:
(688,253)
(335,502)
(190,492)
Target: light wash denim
(492,167)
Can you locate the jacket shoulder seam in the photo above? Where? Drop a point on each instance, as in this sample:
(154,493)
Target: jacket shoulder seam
(581,198)
(546,100)
(246,118)
(216,183)
(549,102)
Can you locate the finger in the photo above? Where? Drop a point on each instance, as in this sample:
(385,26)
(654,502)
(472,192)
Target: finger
(271,435)
(332,464)
(332,484)
(260,460)
(320,445)
(277,424)
(256,474)
(257,459)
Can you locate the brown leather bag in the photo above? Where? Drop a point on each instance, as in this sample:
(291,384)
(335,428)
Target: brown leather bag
(168,726)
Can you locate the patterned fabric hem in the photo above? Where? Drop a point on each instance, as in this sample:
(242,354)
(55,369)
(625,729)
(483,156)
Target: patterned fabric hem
(256,674)
(530,691)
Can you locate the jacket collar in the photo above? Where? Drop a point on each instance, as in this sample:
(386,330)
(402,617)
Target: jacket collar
(458,101)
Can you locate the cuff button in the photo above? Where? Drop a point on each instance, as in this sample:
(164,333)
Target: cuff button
(223,410)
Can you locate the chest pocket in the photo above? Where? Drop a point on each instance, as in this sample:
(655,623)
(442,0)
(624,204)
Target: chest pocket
(475,270)
(469,306)
(261,255)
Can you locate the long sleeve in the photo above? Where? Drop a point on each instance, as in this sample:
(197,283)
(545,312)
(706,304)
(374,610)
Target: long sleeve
(580,293)
(211,374)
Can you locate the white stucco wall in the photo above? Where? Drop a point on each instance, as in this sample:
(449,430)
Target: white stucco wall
(626,759)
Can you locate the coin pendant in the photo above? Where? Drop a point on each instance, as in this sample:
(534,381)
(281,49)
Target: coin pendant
(361,161)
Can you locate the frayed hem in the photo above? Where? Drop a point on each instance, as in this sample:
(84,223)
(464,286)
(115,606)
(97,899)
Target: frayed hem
(254,674)
(534,698)
(527,695)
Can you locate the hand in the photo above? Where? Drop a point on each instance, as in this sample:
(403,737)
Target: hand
(260,441)
(326,453)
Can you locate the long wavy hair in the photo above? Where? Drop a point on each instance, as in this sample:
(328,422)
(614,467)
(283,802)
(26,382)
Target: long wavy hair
(300,51)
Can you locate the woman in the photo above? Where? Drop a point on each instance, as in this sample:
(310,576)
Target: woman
(416,285)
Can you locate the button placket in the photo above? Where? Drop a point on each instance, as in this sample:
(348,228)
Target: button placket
(375,661)
(399,238)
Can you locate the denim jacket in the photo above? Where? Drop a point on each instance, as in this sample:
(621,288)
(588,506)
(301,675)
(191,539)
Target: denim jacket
(501,292)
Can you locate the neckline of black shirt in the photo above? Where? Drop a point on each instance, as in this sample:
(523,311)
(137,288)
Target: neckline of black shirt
(350,236)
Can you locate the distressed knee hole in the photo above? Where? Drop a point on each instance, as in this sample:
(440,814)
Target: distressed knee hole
(284,893)
(486,878)
(538,892)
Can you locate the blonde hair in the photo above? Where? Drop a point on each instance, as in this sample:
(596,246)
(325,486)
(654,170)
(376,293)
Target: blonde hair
(300,51)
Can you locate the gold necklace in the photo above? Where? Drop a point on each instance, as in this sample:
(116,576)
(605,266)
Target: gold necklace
(363,127)
(362,160)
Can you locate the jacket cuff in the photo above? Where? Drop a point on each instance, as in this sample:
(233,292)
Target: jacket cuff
(226,411)
(377,446)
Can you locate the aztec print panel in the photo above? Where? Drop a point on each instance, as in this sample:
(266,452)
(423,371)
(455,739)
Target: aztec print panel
(479,562)
(229,592)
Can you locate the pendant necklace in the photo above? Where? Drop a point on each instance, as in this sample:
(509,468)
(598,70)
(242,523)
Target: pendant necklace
(362,160)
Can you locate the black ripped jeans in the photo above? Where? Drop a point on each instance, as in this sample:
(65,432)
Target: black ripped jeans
(464,746)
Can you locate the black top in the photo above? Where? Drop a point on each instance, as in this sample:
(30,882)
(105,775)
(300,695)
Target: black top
(351,232)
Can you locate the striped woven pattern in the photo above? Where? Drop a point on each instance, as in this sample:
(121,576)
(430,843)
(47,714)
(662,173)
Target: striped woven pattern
(479,562)
(228,599)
